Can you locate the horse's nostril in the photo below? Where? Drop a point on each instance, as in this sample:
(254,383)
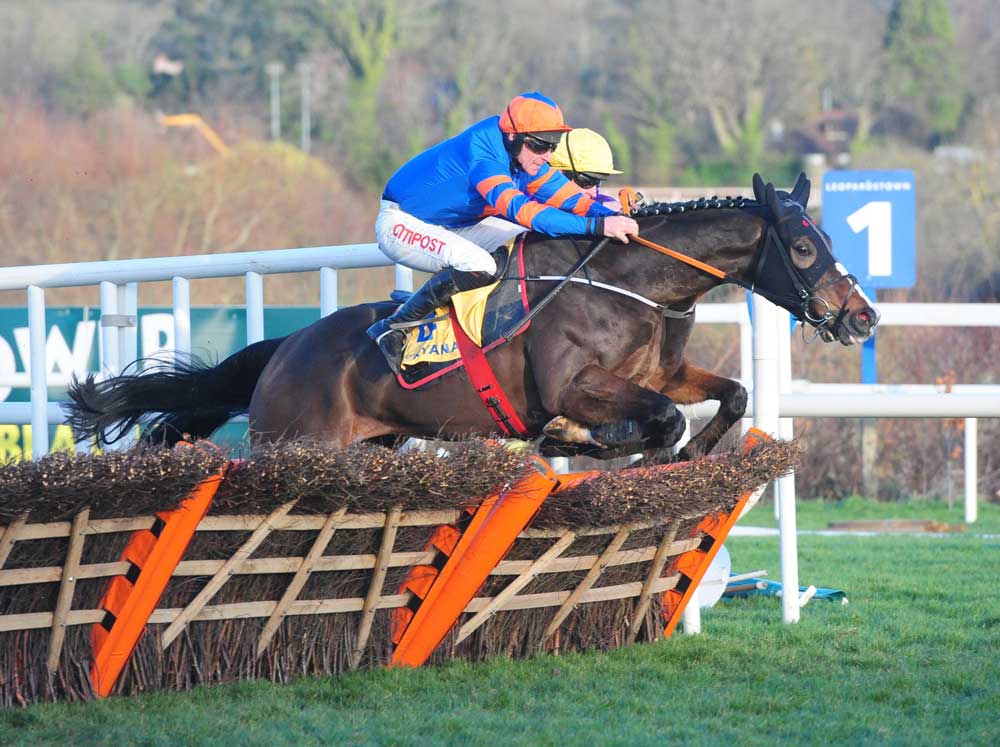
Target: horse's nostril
(867,316)
(864,320)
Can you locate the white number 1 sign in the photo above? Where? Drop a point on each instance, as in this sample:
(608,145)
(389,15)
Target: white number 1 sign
(877,218)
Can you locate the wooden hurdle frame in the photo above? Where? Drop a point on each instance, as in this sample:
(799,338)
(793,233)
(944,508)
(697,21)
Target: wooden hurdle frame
(676,565)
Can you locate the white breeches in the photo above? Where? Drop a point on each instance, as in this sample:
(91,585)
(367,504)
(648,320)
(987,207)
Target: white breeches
(423,246)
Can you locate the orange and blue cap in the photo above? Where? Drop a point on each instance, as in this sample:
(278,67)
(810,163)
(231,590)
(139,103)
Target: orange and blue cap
(535,113)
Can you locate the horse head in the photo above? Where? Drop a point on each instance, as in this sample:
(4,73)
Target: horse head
(795,268)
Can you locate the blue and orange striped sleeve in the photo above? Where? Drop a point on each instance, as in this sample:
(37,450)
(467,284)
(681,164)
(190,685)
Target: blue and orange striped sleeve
(553,188)
(504,198)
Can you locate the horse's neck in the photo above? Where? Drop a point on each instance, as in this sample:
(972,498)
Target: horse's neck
(725,239)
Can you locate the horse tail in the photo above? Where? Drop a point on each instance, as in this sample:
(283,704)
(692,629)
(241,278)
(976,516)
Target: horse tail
(180,400)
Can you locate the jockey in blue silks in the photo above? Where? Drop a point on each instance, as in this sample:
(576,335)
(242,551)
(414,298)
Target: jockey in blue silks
(445,210)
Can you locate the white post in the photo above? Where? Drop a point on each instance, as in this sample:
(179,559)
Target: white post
(786,426)
(305,69)
(766,395)
(404,278)
(971,467)
(327,291)
(39,372)
(746,361)
(274,70)
(691,616)
(111,363)
(255,307)
(560,464)
(182,317)
(126,332)
(128,337)
(130,306)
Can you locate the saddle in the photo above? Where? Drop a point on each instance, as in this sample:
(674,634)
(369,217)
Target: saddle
(486,314)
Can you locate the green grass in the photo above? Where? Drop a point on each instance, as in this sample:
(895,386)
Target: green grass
(812,514)
(912,660)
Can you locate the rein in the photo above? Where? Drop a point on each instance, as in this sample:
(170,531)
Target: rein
(547,299)
(697,264)
(828,320)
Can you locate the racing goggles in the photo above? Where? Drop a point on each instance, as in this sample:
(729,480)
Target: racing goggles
(537,145)
(585,181)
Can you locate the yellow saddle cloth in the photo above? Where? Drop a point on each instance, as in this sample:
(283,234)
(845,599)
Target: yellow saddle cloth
(434,342)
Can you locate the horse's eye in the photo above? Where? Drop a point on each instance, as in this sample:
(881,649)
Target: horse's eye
(801,249)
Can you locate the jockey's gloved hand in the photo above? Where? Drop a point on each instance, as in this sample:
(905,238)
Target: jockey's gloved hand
(619,226)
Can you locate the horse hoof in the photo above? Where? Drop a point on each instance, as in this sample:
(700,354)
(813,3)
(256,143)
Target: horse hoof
(569,431)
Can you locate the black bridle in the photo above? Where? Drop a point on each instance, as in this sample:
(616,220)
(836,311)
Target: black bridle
(795,289)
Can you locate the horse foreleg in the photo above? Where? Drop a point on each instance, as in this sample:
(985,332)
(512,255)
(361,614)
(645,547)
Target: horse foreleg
(605,410)
(690,385)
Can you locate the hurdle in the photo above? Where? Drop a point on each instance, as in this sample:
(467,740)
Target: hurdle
(222,583)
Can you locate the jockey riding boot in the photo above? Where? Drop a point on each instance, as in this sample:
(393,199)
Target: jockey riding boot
(434,293)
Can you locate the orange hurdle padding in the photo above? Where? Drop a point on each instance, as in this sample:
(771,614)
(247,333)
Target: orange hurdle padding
(692,565)
(130,599)
(490,534)
(421,577)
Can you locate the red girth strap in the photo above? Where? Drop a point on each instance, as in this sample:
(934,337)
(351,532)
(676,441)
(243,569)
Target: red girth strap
(485,383)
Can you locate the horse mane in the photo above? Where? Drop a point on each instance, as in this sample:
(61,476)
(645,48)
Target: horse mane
(646,209)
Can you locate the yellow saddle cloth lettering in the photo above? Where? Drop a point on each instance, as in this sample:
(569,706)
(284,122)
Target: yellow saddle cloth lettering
(434,342)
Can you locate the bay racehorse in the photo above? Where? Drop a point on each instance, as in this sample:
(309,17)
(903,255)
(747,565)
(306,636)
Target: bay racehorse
(604,370)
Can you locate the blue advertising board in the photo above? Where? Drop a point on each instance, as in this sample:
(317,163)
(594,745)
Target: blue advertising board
(72,345)
(871,218)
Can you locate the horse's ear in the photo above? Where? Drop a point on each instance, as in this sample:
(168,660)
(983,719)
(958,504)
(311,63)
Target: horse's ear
(772,201)
(800,192)
(758,188)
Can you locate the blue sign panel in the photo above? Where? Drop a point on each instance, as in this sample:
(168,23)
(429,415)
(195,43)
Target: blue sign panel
(871,217)
(72,343)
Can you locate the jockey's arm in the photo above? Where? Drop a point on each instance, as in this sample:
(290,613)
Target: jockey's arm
(553,188)
(500,192)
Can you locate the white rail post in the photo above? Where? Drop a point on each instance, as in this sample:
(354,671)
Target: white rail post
(111,364)
(971,467)
(559,464)
(784,485)
(39,372)
(404,278)
(746,359)
(691,616)
(766,396)
(128,337)
(328,290)
(255,307)
(182,317)
(125,323)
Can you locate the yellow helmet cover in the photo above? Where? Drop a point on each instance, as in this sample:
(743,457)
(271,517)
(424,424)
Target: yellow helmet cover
(583,150)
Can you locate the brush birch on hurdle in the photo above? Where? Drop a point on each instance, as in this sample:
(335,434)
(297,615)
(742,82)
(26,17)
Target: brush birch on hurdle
(375,589)
(538,566)
(67,586)
(300,578)
(589,580)
(225,573)
(655,569)
(8,537)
